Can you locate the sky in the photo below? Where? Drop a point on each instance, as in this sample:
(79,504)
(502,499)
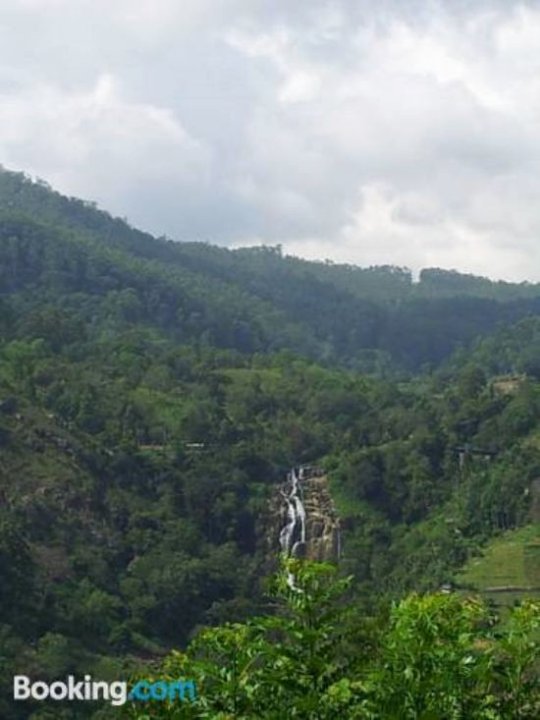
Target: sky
(401,132)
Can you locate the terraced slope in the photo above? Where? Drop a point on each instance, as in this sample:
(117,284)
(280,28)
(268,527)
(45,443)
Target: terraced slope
(508,569)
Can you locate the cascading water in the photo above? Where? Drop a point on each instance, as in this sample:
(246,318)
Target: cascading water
(310,526)
(293,533)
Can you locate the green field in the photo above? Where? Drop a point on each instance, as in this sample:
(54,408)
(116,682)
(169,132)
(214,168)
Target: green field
(509,567)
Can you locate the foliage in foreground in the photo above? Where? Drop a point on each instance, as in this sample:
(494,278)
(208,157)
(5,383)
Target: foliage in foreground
(432,656)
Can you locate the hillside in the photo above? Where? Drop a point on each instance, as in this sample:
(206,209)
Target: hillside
(153,394)
(251,300)
(508,567)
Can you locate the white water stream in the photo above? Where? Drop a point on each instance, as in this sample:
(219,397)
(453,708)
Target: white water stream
(293,533)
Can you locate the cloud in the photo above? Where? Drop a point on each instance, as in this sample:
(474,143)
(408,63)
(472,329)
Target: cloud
(403,133)
(94,141)
(389,228)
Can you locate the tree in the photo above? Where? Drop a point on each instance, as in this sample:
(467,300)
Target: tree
(434,656)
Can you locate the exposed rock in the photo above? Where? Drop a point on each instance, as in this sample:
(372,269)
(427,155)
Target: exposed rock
(323,528)
(507,385)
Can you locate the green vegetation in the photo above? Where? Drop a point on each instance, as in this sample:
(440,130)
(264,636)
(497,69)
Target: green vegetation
(432,656)
(508,568)
(153,394)
(252,300)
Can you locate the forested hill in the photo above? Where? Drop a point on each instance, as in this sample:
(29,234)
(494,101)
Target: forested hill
(153,393)
(66,253)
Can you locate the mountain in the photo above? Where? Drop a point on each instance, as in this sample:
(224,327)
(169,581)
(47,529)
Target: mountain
(249,300)
(153,394)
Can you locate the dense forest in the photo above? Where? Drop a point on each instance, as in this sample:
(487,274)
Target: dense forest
(154,392)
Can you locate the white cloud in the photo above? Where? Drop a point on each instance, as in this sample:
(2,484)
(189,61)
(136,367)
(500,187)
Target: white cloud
(389,228)
(403,133)
(95,144)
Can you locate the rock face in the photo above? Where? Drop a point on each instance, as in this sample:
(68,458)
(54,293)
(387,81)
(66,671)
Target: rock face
(322,525)
(323,532)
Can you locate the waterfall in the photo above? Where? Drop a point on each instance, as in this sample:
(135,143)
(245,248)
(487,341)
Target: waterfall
(285,536)
(313,533)
(293,533)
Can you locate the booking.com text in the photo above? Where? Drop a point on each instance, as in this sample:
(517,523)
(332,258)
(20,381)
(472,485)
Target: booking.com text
(117,692)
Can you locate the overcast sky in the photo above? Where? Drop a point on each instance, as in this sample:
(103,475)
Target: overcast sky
(402,132)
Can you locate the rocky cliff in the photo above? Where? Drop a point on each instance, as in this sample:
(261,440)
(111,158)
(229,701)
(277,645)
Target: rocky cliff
(322,524)
(323,533)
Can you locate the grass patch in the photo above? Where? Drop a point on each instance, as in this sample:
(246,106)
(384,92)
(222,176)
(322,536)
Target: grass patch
(509,567)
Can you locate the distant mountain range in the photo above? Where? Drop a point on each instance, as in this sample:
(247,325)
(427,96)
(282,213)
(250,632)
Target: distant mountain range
(252,300)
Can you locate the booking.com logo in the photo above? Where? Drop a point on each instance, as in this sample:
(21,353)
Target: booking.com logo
(116,692)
